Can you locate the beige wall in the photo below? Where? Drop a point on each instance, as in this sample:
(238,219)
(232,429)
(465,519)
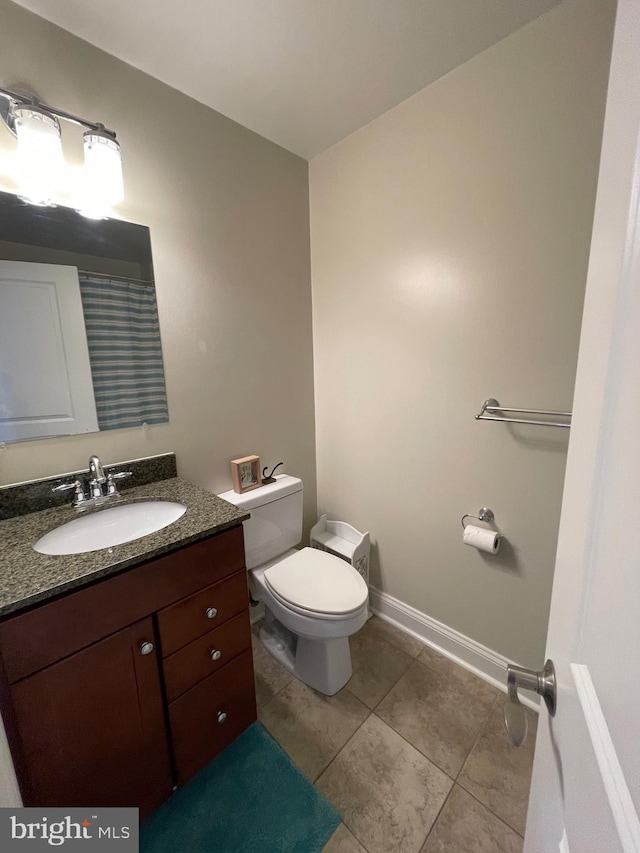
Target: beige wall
(228,213)
(450,241)
(449,250)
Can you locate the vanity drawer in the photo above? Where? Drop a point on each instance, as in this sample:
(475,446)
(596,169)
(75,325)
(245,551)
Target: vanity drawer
(197,615)
(35,639)
(212,714)
(196,661)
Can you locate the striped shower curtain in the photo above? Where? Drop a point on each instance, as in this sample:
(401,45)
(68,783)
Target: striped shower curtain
(123,334)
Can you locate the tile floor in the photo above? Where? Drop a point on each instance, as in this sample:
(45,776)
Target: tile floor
(412,752)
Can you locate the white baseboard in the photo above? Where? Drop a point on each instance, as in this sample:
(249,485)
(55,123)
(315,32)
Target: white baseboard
(256,612)
(478,659)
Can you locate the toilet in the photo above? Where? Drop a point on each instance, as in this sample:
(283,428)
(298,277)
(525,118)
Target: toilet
(313,600)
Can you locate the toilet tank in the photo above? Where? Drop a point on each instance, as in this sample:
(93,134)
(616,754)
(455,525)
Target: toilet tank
(275,525)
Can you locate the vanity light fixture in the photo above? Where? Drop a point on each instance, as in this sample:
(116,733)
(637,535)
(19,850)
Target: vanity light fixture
(102,173)
(40,159)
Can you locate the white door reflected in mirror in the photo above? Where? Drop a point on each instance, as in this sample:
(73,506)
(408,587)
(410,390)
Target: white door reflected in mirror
(46,387)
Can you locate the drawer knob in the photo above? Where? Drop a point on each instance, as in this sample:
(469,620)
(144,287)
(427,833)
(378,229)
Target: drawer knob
(212,612)
(146,648)
(216,654)
(222,717)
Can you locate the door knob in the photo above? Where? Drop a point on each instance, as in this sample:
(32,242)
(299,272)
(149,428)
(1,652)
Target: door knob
(212,612)
(216,654)
(221,717)
(146,648)
(542,682)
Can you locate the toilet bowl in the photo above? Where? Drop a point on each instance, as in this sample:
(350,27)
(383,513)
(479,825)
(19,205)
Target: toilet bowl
(315,645)
(313,600)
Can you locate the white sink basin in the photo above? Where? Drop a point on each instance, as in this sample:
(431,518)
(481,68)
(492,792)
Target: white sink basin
(110,526)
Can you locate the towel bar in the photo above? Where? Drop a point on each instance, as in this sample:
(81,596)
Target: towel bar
(492,405)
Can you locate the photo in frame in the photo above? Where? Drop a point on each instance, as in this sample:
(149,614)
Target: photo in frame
(245,474)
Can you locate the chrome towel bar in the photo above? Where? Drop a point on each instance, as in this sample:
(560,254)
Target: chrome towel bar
(492,406)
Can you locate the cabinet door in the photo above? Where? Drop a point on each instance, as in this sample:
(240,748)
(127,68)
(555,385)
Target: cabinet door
(92,727)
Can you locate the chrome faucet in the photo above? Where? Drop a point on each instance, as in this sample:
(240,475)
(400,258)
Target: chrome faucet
(91,491)
(96,477)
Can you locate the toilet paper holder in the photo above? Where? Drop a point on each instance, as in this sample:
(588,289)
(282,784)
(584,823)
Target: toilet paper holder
(484,514)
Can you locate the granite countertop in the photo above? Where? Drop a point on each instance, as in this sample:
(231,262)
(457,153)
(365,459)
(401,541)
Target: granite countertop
(28,577)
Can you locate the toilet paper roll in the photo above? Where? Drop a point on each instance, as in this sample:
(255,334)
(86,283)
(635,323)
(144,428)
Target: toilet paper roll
(482,539)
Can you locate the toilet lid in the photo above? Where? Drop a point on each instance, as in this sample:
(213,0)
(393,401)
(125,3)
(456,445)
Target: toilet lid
(317,581)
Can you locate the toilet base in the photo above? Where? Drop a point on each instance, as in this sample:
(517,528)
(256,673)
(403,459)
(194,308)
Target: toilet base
(324,664)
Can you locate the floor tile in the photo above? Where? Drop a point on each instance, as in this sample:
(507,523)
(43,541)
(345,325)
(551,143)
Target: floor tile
(383,630)
(342,841)
(311,727)
(388,794)
(466,826)
(439,711)
(430,657)
(498,774)
(377,665)
(270,676)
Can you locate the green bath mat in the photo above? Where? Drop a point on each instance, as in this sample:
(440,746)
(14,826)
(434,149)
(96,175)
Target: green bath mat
(250,799)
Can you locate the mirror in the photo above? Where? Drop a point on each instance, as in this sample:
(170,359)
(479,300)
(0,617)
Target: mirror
(80,343)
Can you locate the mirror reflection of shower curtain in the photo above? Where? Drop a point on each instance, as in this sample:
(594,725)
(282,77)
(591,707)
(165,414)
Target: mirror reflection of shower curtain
(123,334)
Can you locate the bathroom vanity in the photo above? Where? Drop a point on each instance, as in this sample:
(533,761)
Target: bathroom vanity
(126,670)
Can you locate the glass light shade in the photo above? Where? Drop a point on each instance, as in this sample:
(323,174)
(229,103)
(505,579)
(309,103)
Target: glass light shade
(40,158)
(102,179)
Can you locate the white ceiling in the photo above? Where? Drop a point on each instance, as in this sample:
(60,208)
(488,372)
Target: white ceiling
(303,73)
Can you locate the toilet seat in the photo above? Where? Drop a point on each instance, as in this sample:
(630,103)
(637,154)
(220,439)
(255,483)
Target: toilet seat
(314,583)
(316,615)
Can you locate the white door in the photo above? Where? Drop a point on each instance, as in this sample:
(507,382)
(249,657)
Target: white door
(585,793)
(45,374)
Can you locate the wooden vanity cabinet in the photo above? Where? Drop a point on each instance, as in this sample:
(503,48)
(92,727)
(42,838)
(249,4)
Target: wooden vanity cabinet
(92,726)
(117,692)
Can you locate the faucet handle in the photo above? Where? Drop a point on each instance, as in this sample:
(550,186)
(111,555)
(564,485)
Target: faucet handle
(64,487)
(111,481)
(78,485)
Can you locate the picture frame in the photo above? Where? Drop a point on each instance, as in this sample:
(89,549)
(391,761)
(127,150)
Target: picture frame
(245,474)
